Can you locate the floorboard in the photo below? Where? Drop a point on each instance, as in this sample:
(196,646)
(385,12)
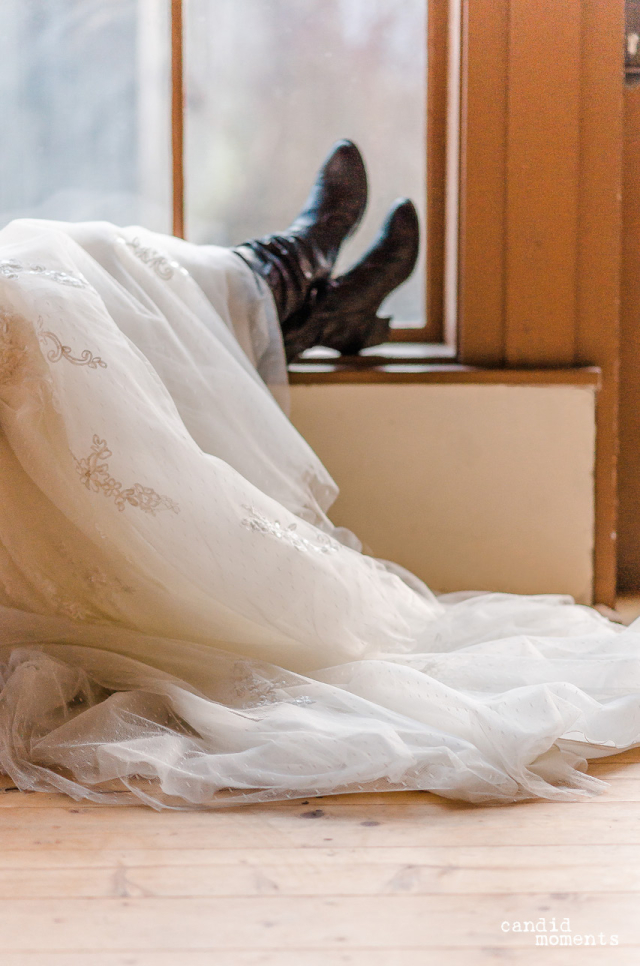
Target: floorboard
(402,879)
(365,879)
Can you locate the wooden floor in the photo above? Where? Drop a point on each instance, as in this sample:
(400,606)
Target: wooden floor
(362,879)
(401,879)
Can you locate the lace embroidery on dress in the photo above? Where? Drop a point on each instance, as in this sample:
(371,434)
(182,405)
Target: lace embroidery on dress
(12,354)
(259,524)
(60,351)
(97,587)
(94,474)
(10,268)
(96,581)
(72,609)
(62,605)
(163,266)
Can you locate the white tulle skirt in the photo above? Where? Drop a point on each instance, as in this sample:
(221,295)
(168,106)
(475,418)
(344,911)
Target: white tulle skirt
(179,619)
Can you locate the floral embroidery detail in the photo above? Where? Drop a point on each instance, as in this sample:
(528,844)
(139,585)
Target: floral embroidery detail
(12,354)
(73,610)
(10,268)
(62,605)
(163,267)
(98,580)
(260,524)
(94,474)
(94,579)
(60,351)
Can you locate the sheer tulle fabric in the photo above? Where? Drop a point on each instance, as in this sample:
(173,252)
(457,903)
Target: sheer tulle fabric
(178,615)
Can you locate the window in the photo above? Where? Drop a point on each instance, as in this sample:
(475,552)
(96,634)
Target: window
(85,90)
(260,88)
(271,84)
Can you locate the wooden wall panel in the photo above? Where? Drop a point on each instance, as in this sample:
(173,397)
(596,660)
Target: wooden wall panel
(485,28)
(599,257)
(550,242)
(629,489)
(543,130)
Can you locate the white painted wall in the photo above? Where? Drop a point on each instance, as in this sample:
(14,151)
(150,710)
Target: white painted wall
(482,487)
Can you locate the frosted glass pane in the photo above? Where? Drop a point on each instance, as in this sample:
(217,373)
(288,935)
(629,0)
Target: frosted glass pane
(271,84)
(85,90)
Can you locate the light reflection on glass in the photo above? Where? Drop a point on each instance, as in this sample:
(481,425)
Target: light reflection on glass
(85,129)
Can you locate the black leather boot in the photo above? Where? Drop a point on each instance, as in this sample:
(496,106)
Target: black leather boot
(295,260)
(341,313)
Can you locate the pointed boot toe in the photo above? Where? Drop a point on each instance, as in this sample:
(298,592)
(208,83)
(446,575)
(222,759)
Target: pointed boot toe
(347,312)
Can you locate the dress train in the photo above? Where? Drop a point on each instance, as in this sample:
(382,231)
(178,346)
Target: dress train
(180,620)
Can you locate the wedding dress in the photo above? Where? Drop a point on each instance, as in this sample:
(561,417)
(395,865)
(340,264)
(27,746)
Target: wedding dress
(181,623)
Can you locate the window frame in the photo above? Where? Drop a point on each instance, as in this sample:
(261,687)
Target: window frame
(437,108)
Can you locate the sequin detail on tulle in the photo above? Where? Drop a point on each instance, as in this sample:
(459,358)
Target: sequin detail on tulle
(60,351)
(260,524)
(163,267)
(10,268)
(254,691)
(94,474)
(251,689)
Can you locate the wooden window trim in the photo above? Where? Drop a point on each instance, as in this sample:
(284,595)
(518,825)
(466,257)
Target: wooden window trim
(436,173)
(444,375)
